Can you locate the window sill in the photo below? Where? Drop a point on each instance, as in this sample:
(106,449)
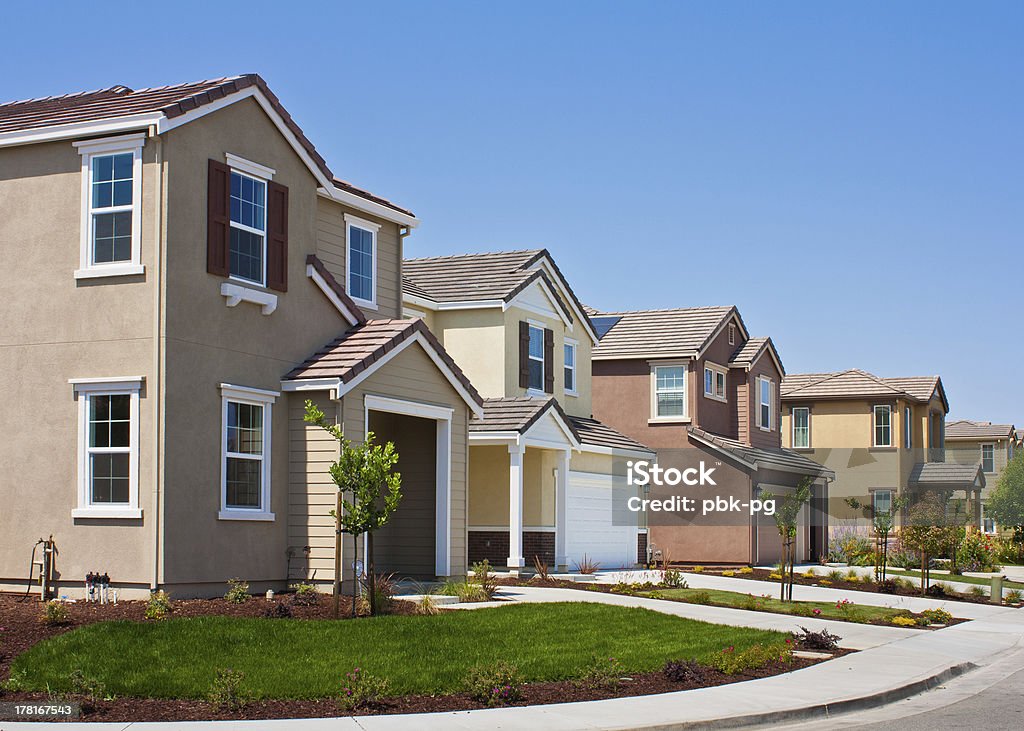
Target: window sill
(364,304)
(236,293)
(111,270)
(883,449)
(257,515)
(720,399)
(535,392)
(117,513)
(669,420)
(574,394)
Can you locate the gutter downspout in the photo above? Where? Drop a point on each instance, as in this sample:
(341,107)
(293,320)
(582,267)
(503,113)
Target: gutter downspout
(157,385)
(403,232)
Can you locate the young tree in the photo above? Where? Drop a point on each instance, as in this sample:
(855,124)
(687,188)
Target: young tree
(787,514)
(1006,504)
(933,530)
(882,523)
(364,472)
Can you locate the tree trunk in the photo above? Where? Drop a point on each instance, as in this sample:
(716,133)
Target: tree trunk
(371,574)
(782,570)
(924,573)
(337,559)
(792,568)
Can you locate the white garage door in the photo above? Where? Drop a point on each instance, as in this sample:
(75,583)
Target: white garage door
(589,528)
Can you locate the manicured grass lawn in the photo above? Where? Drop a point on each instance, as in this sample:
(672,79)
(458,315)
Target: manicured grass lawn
(281,658)
(946,578)
(853,613)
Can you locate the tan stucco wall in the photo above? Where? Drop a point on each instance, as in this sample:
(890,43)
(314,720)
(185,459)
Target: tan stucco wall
(55,328)
(489,487)
(475,340)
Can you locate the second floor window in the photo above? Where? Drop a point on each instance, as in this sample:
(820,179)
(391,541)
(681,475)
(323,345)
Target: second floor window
(570,367)
(883,426)
(988,458)
(714,383)
(765,403)
(670,391)
(801,427)
(111,207)
(908,427)
(536,365)
(248,228)
(362,260)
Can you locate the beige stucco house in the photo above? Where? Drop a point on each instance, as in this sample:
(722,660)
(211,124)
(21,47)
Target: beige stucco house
(993,445)
(882,437)
(182,270)
(543,473)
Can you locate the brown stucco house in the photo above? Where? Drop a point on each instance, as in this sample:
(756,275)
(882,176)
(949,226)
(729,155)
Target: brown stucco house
(544,474)
(183,270)
(693,385)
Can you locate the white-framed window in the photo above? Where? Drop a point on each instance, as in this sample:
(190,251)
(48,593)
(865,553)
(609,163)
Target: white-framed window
(714,382)
(535,381)
(111,232)
(988,457)
(108,447)
(569,348)
(801,427)
(669,392)
(881,503)
(765,403)
(732,333)
(247,249)
(908,427)
(882,427)
(988,523)
(362,260)
(245,453)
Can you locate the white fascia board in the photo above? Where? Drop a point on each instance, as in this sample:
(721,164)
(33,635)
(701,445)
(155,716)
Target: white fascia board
(423,302)
(545,264)
(311,384)
(615,451)
(367,206)
(555,311)
(648,356)
(421,409)
(79,129)
(320,282)
(494,438)
(569,437)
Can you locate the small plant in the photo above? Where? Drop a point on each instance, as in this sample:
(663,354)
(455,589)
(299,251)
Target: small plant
(775,576)
(820,640)
(977,592)
(586,566)
(697,570)
(835,575)
(886,586)
(904,621)
(226,692)
(815,612)
(682,671)
(825,582)
(158,606)
(844,606)
(938,589)
(427,606)
(88,689)
(306,595)
(728,572)
(484,577)
(673,579)
(751,602)
(277,610)
(541,567)
(601,674)
(905,584)
(360,689)
(498,685)
(465,591)
(699,597)
(623,588)
(384,588)
(1013,596)
(852,575)
(936,616)
(747,570)
(809,574)
(238,591)
(56,613)
(731,662)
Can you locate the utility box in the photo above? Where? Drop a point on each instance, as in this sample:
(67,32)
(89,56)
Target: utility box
(996,594)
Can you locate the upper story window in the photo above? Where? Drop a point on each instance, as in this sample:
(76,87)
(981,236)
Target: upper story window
(714,382)
(732,333)
(362,260)
(882,431)
(908,427)
(108,468)
(801,427)
(111,206)
(245,461)
(670,392)
(570,367)
(536,364)
(765,403)
(988,458)
(248,245)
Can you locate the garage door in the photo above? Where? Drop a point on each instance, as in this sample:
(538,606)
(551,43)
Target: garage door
(589,528)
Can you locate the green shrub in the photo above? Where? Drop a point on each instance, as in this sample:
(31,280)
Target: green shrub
(87,689)
(731,662)
(497,685)
(484,577)
(158,606)
(682,671)
(835,575)
(360,689)
(977,552)
(1013,596)
(238,591)
(936,616)
(623,588)
(673,579)
(56,613)
(226,692)
(699,597)
(976,591)
(384,587)
(306,595)
(601,674)
(849,546)
(466,592)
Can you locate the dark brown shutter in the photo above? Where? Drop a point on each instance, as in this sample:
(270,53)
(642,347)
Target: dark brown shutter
(524,354)
(218,218)
(277,237)
(549,361)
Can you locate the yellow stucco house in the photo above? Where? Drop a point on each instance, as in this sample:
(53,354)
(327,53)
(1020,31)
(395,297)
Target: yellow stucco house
(993,445)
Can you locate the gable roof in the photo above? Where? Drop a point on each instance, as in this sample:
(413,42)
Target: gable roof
(751,351)
(948,474)
(493,276)
(754,458)
(598,434)
(346,360)
(118,109)
(675,333)
(966,429)
(856,384)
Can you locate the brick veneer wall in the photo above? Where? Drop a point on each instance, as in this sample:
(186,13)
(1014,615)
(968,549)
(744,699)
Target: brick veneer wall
(641,548)
(493,545)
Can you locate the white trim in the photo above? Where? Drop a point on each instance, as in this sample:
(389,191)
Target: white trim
(311,384)
(716,370)
(236,293)
(411,312)
(614,451)
(570,343)
(733,318)
(792,420)
(545,263)
(442,415)
(555,312)
(265,399)
(320,282)
(248,167)
(57,132)
(526,528)
(772,400)
(982,457)
(656,418)
(457,305)
(84,389)
(89,150)
(371,228)
(874,425)
(493,438)
(263,233)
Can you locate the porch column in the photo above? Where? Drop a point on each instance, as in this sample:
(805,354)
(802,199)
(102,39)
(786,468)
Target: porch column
(561,496)
(515,507)
(977,510)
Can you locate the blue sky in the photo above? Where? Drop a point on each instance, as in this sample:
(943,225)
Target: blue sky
(850,175)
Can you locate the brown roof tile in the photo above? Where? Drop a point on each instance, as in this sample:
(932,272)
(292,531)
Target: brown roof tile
(966,429)
(767,458)
(592,431)
(678,332)
(946,473)
(516,414)
(855,383)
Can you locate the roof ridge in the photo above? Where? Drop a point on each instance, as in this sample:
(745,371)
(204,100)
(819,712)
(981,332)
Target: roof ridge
(116,88)
(479,254)
(666,309)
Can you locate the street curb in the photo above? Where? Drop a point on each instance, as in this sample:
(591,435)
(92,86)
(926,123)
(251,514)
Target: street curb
(823,710)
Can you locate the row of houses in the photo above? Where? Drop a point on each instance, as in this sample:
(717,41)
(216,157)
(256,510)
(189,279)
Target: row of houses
(185,271)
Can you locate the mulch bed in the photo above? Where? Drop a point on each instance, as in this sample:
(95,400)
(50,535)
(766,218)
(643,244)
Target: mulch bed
(20,628)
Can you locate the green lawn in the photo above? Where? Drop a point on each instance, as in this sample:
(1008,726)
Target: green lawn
(853,613)
(177,658)
(947,578)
